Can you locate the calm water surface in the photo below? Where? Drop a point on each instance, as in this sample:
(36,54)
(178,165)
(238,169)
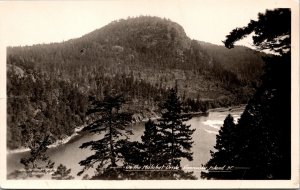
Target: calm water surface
(204,139)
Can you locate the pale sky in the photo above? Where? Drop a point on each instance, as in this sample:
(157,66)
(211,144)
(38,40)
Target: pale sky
(33,22)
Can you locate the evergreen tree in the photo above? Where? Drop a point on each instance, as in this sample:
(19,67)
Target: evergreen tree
(38,144)
(148,154)
(224,154)
(37,163)
(62,173)
(149,151)
(153,144)
(262,146)
(145,153)
(225,142)
(266,124)
(112,123)
(272,31)
(177,136)
(36,138)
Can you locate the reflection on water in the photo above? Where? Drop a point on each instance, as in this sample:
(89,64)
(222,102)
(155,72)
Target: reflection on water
(204,137)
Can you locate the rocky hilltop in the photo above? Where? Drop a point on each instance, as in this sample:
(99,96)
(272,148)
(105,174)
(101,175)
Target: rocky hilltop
(49,84)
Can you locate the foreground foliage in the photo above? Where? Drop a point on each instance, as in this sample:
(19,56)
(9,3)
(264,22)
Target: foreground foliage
(163,145)
(62,173)
(111,124)
(259,145)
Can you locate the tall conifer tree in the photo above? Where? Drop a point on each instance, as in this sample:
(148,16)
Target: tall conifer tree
(38,144)
(225,141)
(110,122)
(225,150)
(153,144)
(263,137)
(176,134)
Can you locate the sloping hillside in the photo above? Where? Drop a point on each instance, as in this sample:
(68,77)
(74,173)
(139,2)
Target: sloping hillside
(139,57)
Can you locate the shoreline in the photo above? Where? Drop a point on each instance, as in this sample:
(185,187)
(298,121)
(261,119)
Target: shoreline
(231,108)
(78,129)
(54,145)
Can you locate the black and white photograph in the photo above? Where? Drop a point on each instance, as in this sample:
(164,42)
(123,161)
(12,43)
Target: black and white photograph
(149,94)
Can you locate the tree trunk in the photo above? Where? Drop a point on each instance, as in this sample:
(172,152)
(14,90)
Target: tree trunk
(112,155)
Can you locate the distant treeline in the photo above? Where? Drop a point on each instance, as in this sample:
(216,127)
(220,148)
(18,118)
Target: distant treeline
(49,84)
(54,106)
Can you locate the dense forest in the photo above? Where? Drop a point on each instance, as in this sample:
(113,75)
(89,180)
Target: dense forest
(164,144)
(48,85)
(146,66)
(259,145)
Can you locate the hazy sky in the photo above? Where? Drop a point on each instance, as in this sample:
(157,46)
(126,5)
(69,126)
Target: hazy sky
(32,22)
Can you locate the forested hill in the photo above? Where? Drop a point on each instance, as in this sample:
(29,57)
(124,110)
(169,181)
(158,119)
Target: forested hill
(49,84)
